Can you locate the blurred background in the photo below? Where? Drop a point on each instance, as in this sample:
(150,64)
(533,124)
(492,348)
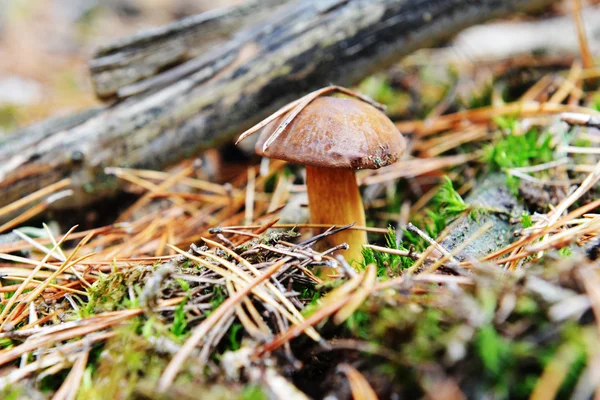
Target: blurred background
(45,46)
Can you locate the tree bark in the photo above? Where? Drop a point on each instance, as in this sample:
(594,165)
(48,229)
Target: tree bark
(161,55)
(195,94)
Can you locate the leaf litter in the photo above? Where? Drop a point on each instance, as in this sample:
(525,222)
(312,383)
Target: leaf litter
(197,288)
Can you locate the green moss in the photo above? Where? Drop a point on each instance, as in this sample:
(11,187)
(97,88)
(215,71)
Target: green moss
(445,207)
(309,294)
(185,286)
(6,343)
(358,323)
(579,346)
(526,306)
(596,102)
(491,349)
(235,336)
(179,325)
(518,150)
(106,294)
(12,392)
(526,220)
(501,358)
(447,202)
(126,364)
(388,265)
(379,89)
(481,98)
(425,343)
(219,296)
(565,251)
(8,117)
(253,392)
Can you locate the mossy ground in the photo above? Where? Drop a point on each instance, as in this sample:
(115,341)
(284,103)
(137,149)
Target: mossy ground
(476,327)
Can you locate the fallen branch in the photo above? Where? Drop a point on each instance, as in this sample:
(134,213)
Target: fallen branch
(301,46)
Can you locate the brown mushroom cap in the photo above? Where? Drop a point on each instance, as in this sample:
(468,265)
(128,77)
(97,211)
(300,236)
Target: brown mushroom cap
(333,132)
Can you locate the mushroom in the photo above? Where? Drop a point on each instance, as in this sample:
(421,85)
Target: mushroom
(332,137)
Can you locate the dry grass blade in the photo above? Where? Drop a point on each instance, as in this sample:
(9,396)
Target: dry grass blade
(35,210)
(562,207)
(429,278)
(453,140)
(89,326)
(565,237)
(359,386)
(295,107)
(297,316)
(553,220)
(330,304)
(128,173)
(153,190)
(241,278)
(250,326)
(403,253)
(581,119)
(22,245)
(306,100)
(359,295)
(413,167)
(48,190)
(591,281)
(25,283)
(483,114)
(69,388)
(584,48)
(257,318)
(307,226)
(26,261)
(250,192)
(568,85)
(52,364)
(280,194)
(258,275)
(268,120)
(458,249)
(343,290)
(35,283)
(146,198)
(62,257)
(319,315)
(201,330)
(554,374)
(432,243)
(40,288)
(44,338)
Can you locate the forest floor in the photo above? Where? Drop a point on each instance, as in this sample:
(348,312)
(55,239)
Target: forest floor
(480,280)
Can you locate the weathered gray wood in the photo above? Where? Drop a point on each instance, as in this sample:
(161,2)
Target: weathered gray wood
(302,46)
(499,207)
(120,64)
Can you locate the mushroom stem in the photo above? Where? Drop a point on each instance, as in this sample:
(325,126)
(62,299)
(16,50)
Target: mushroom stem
(334,198)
